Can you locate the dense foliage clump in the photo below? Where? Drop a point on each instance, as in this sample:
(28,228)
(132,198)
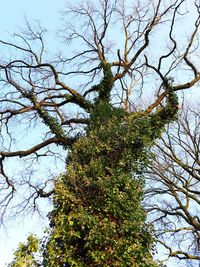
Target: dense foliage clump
(97,218)
(25,254)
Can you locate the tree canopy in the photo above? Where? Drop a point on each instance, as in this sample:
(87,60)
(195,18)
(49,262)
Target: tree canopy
(83,104)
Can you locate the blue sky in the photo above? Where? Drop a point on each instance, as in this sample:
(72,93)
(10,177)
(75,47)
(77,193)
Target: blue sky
(13,12)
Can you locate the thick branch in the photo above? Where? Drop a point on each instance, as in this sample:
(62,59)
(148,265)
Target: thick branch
(23,153)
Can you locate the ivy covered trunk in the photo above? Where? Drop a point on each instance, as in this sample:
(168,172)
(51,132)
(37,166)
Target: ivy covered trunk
(97,218)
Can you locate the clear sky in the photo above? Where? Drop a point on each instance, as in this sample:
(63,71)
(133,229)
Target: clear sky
(13,13)
(12,18)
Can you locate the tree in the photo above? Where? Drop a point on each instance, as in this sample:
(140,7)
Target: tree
(24,255)
(172,195)
(97,218)
(106,141)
